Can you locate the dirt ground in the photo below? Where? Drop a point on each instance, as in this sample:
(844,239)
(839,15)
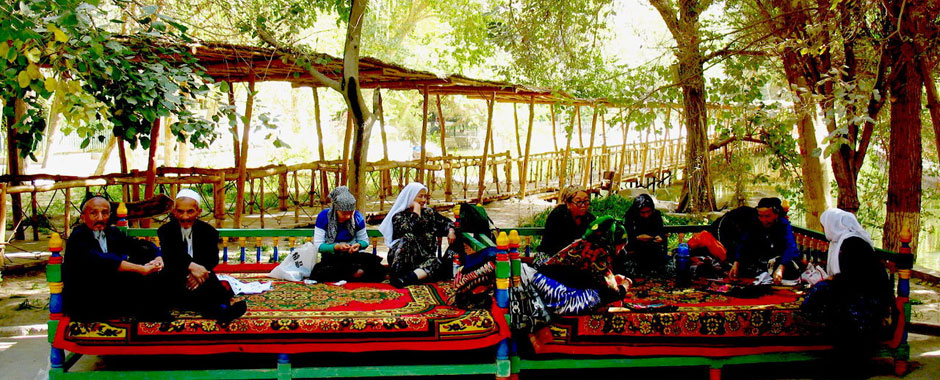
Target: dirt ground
(24,299)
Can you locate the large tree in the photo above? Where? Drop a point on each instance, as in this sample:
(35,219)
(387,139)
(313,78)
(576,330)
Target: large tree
(682,20)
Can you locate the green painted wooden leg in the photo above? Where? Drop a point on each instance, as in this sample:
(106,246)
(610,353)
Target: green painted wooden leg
(901,356)
(283,367)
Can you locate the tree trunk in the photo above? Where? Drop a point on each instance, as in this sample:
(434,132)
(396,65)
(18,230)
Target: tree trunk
(103,161)
(15,166)
(814,195)
(236,149)
(352,93)
(151,180)
(905,150)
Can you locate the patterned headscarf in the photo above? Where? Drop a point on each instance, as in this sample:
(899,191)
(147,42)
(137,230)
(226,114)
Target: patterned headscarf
(606,232)
(343,200)
(840,225)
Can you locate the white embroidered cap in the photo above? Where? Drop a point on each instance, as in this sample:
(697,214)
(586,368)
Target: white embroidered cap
(187,193)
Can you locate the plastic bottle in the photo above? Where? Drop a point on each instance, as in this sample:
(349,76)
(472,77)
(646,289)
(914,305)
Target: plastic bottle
(683,265)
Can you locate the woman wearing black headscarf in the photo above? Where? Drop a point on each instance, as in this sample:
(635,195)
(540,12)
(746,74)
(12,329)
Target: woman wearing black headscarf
(646,245)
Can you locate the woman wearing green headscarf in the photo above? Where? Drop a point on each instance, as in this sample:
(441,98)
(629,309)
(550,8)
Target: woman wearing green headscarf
(579,278)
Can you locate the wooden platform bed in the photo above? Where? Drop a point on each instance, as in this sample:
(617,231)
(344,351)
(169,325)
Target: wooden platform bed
(414,332)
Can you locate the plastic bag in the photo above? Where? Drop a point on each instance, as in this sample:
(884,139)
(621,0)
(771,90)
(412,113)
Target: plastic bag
(813,274)
(297,264)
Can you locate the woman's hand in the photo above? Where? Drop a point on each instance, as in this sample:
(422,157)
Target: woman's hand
(341,247)
(778,275)
(416,207)
(658,239)
(644,237)
(733,273)
(451,236)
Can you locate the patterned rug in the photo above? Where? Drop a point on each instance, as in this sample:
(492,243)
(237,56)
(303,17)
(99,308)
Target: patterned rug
(703,319)
(296,317)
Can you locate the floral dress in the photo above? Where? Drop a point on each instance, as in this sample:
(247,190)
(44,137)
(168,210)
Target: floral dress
(416,244)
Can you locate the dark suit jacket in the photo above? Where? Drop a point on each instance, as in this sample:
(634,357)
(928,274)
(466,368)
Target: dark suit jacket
(90,275)
(205,247)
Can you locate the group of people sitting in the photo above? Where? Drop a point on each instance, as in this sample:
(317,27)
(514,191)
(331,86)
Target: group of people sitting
(584,262)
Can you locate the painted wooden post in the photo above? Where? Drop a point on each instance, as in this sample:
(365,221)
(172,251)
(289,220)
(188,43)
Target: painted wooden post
(503,275)
(122,217)
(243,156)
(258,249)
(486,142)
(524,176)
(54,279)
(241,245)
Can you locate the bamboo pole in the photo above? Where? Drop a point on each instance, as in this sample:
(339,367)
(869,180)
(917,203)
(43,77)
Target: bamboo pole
(261,203)
(493,152)
(524,178)
(587,175)
(243,156)
(515,118)
(486,142)
(323,180)
(349,127)
(424,134)
(646,143)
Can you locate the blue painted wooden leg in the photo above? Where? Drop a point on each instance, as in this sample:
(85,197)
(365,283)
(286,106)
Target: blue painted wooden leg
(283,367)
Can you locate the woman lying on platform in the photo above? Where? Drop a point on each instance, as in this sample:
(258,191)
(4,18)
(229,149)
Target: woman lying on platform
(340,237)
(567,222)
(646,244)
(409,230)
(579,278)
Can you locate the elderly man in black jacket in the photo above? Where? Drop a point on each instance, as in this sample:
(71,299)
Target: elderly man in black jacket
(109,275)
(191,252)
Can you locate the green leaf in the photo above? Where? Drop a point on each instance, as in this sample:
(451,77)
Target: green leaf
(148,10)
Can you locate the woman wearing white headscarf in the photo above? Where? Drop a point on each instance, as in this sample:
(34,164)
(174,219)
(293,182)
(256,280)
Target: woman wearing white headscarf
(856,303)
(409,230)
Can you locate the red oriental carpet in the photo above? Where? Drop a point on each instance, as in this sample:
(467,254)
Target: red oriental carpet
(296,317)
(704,322)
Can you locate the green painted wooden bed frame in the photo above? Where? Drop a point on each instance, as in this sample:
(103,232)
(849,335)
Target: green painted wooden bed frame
(507,362)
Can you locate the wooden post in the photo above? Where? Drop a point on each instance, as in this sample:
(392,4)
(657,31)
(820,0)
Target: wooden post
(261,203)
(646,146)
(282,191)
(554,134)
(103,161)
(424,135)
(580,129)
(66,217)
(316,113)
(168,144)
(14,166)
(563,170)
(349,127)
(587,175)
(515,118)
(122,157)
(151,180)
(3,222)
(297,199)
(528,143)
(243,156)
(234,128)
(618,178)
(34,207)
(218,201)
(448,167)
(486,142)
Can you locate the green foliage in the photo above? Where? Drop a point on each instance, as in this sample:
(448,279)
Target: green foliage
(613,205)
(100,79)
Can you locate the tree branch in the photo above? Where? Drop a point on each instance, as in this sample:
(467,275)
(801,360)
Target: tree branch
(722,143)
(669,17)
(292,56)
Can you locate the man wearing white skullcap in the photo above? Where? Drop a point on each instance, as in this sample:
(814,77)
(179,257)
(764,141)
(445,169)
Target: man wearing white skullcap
(191,251)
